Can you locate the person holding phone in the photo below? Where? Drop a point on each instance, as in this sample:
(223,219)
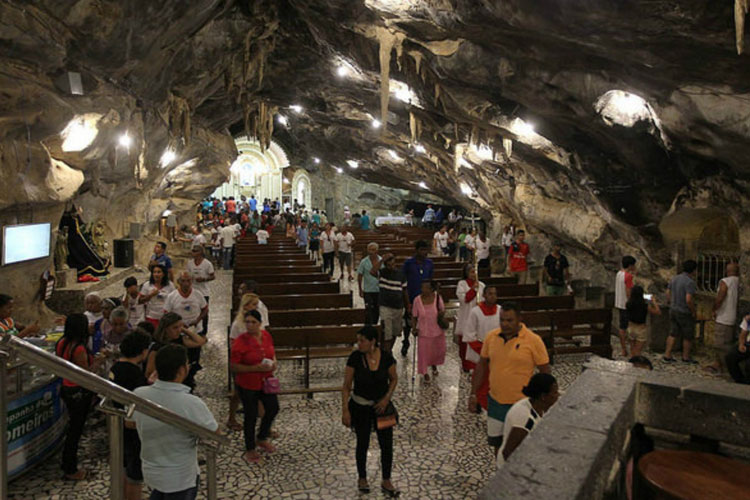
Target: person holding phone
(638,307)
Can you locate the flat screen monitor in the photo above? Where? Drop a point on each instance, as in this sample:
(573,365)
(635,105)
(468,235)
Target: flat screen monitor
(26,242)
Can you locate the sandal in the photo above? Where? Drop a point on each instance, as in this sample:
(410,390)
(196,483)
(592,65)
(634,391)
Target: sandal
(79,475)
(668,360)
(266,446)
(234,426)
(362,486)
(394,493)
(251,457)
(689,361)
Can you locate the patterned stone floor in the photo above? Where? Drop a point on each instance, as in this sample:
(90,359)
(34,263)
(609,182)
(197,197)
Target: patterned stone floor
(440,450)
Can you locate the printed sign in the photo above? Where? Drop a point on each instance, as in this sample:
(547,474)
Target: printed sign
(35,426)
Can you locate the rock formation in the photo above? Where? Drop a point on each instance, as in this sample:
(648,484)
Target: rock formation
(513,86)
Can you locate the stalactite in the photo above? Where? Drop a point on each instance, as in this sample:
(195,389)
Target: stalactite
(455,132)
(417,56)
(179,118)
(415,126)
(437,93)
(246,57)
(508,147)
(741,8)
(387,41)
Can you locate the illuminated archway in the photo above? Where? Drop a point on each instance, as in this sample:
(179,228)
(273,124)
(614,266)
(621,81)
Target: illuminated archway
(301,188)
(255,172)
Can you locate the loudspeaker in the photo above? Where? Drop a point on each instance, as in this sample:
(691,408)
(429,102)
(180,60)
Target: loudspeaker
(124,253)
(136,229)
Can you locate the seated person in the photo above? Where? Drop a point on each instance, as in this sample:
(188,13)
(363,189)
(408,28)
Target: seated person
(8,325)
(93,304)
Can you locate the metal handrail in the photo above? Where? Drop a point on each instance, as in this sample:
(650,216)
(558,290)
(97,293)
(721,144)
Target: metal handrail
(62,368)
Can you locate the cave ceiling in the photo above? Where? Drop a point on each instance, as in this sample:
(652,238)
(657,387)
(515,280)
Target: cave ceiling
(474,67)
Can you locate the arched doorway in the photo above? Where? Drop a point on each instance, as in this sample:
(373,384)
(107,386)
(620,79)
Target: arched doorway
(255,172)
(302,189)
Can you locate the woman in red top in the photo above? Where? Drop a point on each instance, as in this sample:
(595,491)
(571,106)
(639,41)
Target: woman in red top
(253,360)
(72,347)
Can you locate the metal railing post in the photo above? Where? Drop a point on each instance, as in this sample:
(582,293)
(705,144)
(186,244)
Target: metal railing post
(3,425)
(116,462)
(211,472)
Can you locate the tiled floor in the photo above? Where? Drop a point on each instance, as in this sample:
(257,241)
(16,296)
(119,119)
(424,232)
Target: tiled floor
(440,450)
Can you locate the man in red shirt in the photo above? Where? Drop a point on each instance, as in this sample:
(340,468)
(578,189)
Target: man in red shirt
(517,254)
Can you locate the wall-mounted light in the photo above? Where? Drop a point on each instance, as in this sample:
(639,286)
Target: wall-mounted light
(422,185)
(283,120)
(80,132)
(125,140)
(296,108)
(168,157)
(342,71)
(339,170)
(376,123)
(316,160)
(352,163)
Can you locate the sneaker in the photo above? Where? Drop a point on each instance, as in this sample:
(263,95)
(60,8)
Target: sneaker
(668,360)
(689,361)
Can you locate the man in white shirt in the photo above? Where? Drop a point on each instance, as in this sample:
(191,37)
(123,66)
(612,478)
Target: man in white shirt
(725,314)
(192,307)
(482,244)
(136,311)
(227,236)
(440,241)
(202,271)
(623,285)
(262,236)
(344,242)
(169,454)
(328,248)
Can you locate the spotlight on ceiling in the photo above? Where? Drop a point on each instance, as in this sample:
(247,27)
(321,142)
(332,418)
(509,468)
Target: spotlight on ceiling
(419,148)
(125,141)
(623,108)
(339,170)
(522,128)
(168,157)
(80,132)
(316,160)
(466,189)
(422,185)
(296,108)
(342,71)
(283,120)
(394,155)
(376,123)
(352,163)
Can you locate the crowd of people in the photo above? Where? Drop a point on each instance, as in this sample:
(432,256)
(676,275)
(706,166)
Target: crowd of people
(149,340)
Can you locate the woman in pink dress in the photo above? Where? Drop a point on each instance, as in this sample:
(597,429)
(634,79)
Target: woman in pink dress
(430,337)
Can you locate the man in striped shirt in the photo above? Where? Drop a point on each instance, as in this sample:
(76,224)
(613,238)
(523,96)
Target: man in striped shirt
(393,296)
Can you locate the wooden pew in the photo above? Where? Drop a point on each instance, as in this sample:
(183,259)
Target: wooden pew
(273,267)
(306,317)
(593,323)
(299,288)
(317,301)
(283,278)
(505,291)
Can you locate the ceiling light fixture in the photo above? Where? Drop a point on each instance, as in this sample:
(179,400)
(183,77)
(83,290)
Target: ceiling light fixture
(168,157)
(282,120)
(80,132)
(522,129)
(353,163)
(125,141)
(342,71)
(339,170)
(422,185)
(419,148)
(296,108)
(316,160)
(376,123)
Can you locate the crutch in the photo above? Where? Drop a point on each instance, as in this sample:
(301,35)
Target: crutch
(414,362)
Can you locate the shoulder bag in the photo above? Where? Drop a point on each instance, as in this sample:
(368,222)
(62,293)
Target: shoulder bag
(441,319)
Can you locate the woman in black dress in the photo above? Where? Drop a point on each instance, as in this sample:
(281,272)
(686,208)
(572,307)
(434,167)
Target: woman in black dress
(373,373)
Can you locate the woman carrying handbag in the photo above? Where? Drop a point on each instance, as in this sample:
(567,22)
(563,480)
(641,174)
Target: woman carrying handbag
(253,360)
(429,325)
(368,405)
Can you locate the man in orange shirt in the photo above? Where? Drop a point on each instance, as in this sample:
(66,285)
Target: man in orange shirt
(511,353)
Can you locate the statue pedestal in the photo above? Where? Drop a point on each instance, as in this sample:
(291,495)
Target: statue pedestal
(65,277)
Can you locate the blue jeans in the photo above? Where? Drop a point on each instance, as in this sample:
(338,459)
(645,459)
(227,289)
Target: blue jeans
(227,257)
(188,494)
